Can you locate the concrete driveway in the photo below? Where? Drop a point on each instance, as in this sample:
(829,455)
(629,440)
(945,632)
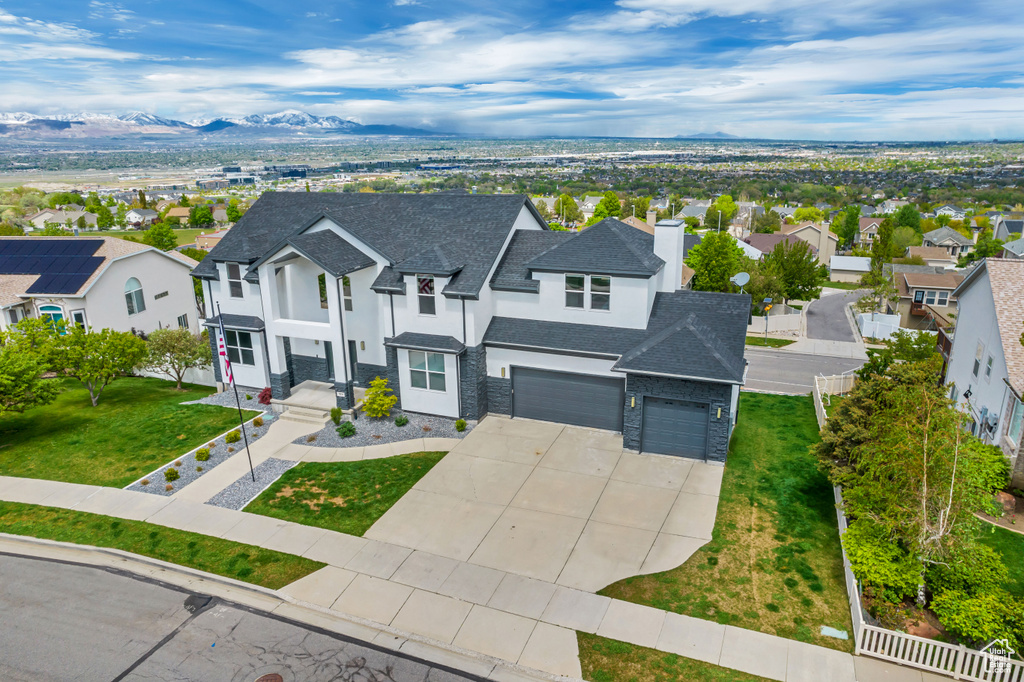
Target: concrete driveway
(557,503)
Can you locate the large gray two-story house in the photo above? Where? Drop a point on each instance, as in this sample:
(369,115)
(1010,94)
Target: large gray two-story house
(469,305)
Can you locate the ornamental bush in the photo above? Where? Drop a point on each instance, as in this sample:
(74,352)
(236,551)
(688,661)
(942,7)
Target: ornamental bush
(171,474)
(379,399)
(401,420)
(978,619)
(974,570)
(460,425)
(257,422)
(879,562)
(202,454)
(347,429)
(233,436)
(265,396)
(336,413)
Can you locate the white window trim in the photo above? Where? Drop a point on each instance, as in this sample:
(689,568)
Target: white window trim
(239,348)
(587,291)
(420,297)
(427,371)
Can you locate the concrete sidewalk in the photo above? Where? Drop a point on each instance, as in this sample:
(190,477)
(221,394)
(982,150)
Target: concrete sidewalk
(508,616)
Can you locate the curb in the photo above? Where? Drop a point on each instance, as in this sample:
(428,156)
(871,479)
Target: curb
(270,602)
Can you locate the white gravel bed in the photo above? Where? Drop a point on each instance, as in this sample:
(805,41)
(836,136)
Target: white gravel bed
(376,431)
(244,490)
(191,469)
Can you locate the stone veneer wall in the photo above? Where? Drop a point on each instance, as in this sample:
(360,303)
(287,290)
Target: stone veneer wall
(473,382)
(280,385)
(366,373)
(717,395)
(305,367)
(499,395)
(392,372)
(216,355)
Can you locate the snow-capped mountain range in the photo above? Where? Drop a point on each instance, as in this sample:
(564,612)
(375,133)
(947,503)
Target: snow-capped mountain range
(86,124)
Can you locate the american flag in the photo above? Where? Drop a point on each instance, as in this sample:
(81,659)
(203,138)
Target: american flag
(224,352)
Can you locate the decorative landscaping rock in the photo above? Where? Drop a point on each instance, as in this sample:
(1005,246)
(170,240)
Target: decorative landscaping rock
(218,453)
(239,493)
(1007,501)
(385,431)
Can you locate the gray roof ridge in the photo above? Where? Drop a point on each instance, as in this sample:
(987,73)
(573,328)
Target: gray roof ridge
(710,340)
(651,341)
(642,255)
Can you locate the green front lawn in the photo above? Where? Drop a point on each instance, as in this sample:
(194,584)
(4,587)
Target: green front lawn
(774,563)
(1011,546)
(849,286)
(230,559)
(769,342)
(137,426)
(347,497)
(184,236)
(608,660)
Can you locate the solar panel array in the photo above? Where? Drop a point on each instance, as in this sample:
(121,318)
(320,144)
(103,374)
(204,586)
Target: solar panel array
(63,265)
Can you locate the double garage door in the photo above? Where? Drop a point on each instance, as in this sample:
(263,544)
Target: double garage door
(580,399)
(669,427)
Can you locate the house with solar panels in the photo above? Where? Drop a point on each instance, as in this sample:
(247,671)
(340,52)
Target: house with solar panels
(96,282)
(470,306)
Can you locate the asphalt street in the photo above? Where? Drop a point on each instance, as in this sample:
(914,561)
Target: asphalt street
(827,320)
(68,622)
(781,371)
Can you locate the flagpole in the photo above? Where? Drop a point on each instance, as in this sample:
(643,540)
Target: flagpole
(238,401)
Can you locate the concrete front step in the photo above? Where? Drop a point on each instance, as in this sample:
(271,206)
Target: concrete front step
(303,419)
(307,412)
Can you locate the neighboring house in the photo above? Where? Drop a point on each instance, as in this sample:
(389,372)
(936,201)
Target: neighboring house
(179,212)
(954,212)
(932,255)
(824,241)
(208,240)
(867,230)
(588,205)
(642,225)
(1008,229)
(953,242)
(220,216)
(546,202)
(61,217)
(141,216)
(469,305)
(98,282)
(986,363)
(892,205)
(1013,250)
(164,203)
(748,250)
(765,243)
(785,211)
(925,300)
(692,211)
(848,268)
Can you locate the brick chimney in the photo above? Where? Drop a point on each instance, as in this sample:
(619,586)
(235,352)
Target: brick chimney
(652,217)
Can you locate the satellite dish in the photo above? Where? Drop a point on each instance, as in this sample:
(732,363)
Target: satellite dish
(740,279)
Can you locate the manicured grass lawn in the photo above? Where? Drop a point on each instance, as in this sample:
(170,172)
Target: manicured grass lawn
(608,660)
(769,342)
(1011,546)
(137,426)
(843,285)
(774,563)
(230,559)
(185,236)
(347,497)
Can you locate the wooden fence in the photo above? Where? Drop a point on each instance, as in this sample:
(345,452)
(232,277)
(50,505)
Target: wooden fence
(957,661)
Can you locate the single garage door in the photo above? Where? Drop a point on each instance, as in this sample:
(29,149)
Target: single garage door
(579,399)
(674,427)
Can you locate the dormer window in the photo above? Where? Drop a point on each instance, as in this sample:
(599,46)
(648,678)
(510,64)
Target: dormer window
(597,289)
(425,294)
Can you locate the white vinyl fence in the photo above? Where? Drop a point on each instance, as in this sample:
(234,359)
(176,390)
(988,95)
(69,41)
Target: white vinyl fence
(781,318)
(202,376)
(957,661)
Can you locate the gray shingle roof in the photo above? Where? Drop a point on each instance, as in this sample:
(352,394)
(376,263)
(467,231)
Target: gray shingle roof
(244,322)
(943,233)
(442,260)
(388,282)
(331,252)
(693,334)
(430,342)
(469,227)
(1016,246)
(525,245)
(609,247)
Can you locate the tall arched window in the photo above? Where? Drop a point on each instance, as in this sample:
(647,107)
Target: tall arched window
(133,296)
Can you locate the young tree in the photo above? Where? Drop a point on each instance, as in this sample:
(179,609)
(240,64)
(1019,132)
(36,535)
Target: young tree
(99,357)
(714,261)
(200,216)
(55,230)
(21,380)
(849,227)
(379,398)
(235,213)
(184,201)
(104,218)
(175,351)
(768,222)
(727,207)
(566,210)
(160,236)
(908,216)
(797,269)
(884,248)
(808,213)
(122,215)
(987,247)
(142,199)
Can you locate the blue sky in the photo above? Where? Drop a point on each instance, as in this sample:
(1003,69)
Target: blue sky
(803,69)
